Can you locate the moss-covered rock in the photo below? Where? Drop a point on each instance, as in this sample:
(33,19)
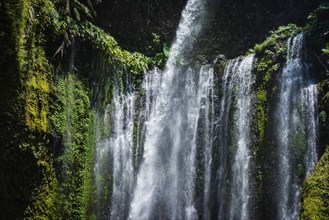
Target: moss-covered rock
(315,194)
(73,120)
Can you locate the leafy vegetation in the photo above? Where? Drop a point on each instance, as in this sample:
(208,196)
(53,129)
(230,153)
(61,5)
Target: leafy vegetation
(326,49)
(283,32)
(135,63)
(73,119)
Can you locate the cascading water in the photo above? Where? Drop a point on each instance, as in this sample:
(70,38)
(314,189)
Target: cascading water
(237,84)
(121,145)
(150,85)
(119,150)
(174,153)
(296,130)
(240,192)
(116,159)
(167,184)
(205,132)
(165,181)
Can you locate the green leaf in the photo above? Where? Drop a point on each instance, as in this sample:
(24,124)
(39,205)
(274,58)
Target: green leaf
(166,50)
(326,49)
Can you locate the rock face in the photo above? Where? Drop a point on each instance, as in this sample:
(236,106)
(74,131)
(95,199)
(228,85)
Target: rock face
(231,27)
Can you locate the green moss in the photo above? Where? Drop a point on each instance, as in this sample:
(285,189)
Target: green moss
(37,91)
(262,110)
(315,193)
(92,217)
(135,133)
(268,65)
(220,67)
(270,41)
(136,129)
(43,203)
(30,18)
(270,60)
(265,69)
(73,118)
(30,110)
(300,170)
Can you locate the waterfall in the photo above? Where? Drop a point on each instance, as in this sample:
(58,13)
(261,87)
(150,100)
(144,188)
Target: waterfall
(310,119)
(296,130)
(206,136)
(165,180)
(237,92)
(121,145)
(118,150)
(116,155)
(180,146)
(240,193)
(150,86)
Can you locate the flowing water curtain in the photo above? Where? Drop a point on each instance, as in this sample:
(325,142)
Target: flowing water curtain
(158,161)
(224,116)
(296,130)
(206,124)
(121,147)
(234,161)
(240,181)
(148,95)
(197,95)
(165,180)
(114,170)
(117,148)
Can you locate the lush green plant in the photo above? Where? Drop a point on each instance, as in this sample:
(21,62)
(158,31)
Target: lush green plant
(282,33)
(326,49)
(77,9)
(135,63)
(166,50)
